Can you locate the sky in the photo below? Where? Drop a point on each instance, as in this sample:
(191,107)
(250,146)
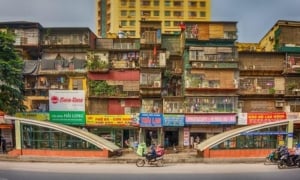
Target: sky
(254,17)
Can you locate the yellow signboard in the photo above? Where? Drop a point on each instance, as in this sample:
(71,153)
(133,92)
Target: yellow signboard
(110,120)
(34,115)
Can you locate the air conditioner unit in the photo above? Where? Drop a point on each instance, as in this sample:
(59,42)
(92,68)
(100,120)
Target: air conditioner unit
(279,103)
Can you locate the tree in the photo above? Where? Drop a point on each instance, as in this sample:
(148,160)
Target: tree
(11,78)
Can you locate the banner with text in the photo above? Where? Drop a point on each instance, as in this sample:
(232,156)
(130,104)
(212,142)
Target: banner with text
(173,120)
(67,106)
(265,117)
(111,120)
(210,119)
(151,120)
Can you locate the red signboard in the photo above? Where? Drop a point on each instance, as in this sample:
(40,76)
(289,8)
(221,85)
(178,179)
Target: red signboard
(265,117)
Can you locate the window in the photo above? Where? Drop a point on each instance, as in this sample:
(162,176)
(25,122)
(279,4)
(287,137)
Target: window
(155,13)
(145,3)
(77,84)
(192,4)
(123,23)
(176,23)
(35,137)
(178,3)
(146,13)
(132,23)
(167,3)
(202,4)
(132,13)
(202,14)
(156,3)
(167,13)
(123,13)
(210,104)
(131,33)
(167,23)
(123,3)
(192,14)
(177,13)
(151,106)
(132,3)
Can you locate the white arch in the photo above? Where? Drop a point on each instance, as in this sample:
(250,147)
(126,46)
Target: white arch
(87,136)
(219,138)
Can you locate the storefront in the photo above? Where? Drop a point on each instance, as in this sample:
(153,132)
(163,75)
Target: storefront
(120,129)
(151,131)
(6,131)
(173,129)
(202,127)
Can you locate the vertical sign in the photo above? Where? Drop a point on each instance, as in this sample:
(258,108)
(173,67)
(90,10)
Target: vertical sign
(186,136)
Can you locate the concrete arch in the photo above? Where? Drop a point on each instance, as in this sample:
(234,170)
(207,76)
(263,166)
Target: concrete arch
(84,135)
(219,138)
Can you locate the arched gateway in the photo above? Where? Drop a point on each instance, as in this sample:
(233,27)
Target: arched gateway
(45,138)
(249,141)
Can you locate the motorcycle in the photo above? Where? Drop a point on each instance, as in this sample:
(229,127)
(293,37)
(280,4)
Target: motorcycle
(286,161)
(150,160)
(272,158)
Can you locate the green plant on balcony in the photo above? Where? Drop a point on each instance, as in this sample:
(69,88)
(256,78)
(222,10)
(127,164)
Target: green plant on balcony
(292,85)
(272,91)
(101,88)
(96,64)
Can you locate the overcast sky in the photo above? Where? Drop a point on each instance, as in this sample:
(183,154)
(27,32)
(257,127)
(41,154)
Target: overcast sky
(254,17)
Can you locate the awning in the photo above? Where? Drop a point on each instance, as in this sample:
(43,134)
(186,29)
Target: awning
(31,67)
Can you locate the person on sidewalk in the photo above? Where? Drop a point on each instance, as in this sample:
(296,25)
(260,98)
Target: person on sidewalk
(3,145)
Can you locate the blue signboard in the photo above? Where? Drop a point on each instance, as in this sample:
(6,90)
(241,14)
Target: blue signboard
(173,120)
(265,133)
(151,120)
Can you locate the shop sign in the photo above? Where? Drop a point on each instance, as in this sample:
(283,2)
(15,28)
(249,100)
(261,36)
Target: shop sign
(67,106)
(186,136)
(265,117)
(173,120)
(34,115)
(211,119)
(151,120)
(110,120)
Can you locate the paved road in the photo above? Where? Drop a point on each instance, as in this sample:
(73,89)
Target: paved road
(86,171)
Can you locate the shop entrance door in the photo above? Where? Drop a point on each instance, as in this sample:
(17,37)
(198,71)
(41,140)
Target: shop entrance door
(171,138)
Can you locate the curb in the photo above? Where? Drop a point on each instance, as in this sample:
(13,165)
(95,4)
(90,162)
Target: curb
(128,160)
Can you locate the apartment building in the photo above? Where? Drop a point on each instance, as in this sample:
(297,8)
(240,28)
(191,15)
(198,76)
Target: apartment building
(123,16)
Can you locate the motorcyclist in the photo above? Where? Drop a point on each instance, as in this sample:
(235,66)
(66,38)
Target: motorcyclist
(152,154)
(296,153)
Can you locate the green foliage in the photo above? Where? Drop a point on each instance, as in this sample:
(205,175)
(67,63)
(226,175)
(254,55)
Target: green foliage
(98,88)
(11,79)
(95,64)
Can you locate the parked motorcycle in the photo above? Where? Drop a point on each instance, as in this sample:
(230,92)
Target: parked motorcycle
(148,159)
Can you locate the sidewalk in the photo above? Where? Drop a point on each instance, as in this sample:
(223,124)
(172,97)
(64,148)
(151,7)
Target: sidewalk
(131,157)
